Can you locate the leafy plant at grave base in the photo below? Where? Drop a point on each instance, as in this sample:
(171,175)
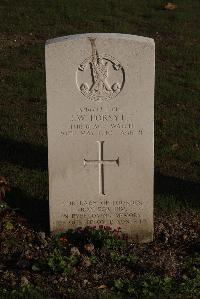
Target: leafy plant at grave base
(60,241)
(99,237)
(62,264)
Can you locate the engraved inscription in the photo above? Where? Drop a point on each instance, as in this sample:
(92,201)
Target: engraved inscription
(100,76)
(98,121)
(101,163)
(106,212)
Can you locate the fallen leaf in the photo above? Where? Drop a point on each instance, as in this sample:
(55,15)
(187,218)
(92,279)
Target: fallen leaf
(24,281)
(75,251)
(4,187)
(103,286)
(162,120)
(89,247)
(63,239)
(35,268)
(86,262)
(9,225)
(85,282)
(170,6)
(175,146)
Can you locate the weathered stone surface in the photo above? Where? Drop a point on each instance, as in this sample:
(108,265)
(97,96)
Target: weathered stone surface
(100,95)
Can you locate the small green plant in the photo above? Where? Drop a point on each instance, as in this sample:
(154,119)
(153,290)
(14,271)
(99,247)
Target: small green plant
(190,283)
(71,291)
(103,236)
(145,286)
(153,286)
(94,259)
(28,291)
(115,257)
(62,264)
(57,264)
(128,259)
(118,284)
(112,243)
(8,225)
(11,243)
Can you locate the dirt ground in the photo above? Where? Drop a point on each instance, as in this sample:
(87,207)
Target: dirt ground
(97,262)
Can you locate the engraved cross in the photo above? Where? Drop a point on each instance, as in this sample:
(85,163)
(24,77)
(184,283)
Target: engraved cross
(101,163)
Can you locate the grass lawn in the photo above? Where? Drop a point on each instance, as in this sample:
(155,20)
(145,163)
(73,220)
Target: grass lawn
(26,25)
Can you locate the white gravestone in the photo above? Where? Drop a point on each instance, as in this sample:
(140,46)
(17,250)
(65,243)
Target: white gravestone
(100,99)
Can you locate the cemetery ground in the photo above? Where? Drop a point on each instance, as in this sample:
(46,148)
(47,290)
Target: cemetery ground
(95,261)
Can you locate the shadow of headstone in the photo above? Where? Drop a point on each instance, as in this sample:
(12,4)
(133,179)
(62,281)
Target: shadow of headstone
(36,211)
(183,190)
(24,154)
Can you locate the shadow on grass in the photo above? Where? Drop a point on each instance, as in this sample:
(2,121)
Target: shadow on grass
(36,211)
(185,192)
(24,154)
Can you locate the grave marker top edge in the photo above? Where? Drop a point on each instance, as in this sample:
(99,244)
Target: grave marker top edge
(130,37)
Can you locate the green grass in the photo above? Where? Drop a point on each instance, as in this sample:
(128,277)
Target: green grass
(25,25)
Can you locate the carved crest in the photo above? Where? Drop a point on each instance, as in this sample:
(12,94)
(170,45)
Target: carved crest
(100,76)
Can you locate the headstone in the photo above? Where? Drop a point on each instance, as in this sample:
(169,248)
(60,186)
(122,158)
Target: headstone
(100,97)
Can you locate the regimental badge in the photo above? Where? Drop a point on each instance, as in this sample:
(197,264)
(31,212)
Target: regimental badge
(100,77)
